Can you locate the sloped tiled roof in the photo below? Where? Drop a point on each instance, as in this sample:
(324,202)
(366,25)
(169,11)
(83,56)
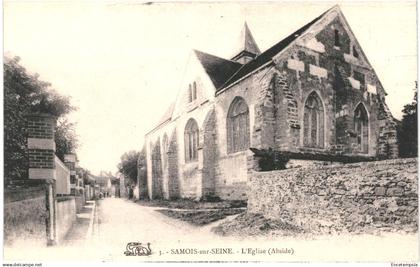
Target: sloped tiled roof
(267,55)
(218,69)
(167,115)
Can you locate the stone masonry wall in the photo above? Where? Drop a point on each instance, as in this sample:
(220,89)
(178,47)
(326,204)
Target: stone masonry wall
(24,216)
(209,155)
(381,195)
(231,172)
(343,80)
(173,178)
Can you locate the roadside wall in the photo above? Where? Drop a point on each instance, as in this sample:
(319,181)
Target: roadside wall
(62,177)
(65,216)
(80,202)
(24,215)
(349,197)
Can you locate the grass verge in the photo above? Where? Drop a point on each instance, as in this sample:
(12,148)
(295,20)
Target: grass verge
(201,217)
(192,204)
(247,224)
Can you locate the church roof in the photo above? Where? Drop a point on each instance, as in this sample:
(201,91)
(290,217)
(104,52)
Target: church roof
(247,42)
(267,55)
(168,113)
(166,116)
(218,69)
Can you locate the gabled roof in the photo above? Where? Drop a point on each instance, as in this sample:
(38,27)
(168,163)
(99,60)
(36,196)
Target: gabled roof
(218,69)
(167,115)
(267,55)
(247,42)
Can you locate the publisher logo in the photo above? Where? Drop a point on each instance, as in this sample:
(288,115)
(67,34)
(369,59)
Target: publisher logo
(137,249)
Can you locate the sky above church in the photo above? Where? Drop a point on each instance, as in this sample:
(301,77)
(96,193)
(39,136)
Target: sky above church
(122,62)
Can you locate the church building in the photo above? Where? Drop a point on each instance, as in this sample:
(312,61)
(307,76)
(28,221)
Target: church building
(312,97)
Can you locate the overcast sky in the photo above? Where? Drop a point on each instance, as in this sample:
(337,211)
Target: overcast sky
(122,63)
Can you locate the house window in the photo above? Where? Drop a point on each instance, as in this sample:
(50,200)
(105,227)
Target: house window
(191,141)
(313,121)
(361,127)
(238,126)
(336,38)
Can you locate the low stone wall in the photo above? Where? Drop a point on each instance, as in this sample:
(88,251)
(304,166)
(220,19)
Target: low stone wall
(351,197)
(65,216)
(80,202)
(25,215)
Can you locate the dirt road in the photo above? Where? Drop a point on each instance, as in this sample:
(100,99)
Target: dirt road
(120,221)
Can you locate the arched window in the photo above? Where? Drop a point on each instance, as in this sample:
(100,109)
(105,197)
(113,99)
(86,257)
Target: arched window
(191,140)
(238,126)
(336,38)
(313,122)
(355,53)
(361,127)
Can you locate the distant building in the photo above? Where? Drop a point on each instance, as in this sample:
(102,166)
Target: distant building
(76,182)
(107,184)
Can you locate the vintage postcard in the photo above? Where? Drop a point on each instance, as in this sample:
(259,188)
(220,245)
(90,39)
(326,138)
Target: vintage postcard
(170,131)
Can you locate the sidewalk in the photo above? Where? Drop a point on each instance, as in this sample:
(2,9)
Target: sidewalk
(82,229)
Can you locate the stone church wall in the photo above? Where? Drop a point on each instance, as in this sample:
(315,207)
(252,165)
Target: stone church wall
(232,168)
(336,198)
(331,74)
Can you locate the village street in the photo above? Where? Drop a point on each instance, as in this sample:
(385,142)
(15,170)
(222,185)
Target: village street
(118,221)
(121,221)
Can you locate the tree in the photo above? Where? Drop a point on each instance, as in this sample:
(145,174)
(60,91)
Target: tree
(84,174)
(24,93)
(128,166)
(65,138)
(407,130)
(142,173)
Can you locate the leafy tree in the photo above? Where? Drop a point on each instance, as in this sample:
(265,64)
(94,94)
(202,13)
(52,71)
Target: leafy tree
(24,93)
(65,138)
(84,174)
(407,132)
(142,173)
(128,166)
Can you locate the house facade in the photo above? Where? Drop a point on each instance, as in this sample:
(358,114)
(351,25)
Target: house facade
(313,95)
